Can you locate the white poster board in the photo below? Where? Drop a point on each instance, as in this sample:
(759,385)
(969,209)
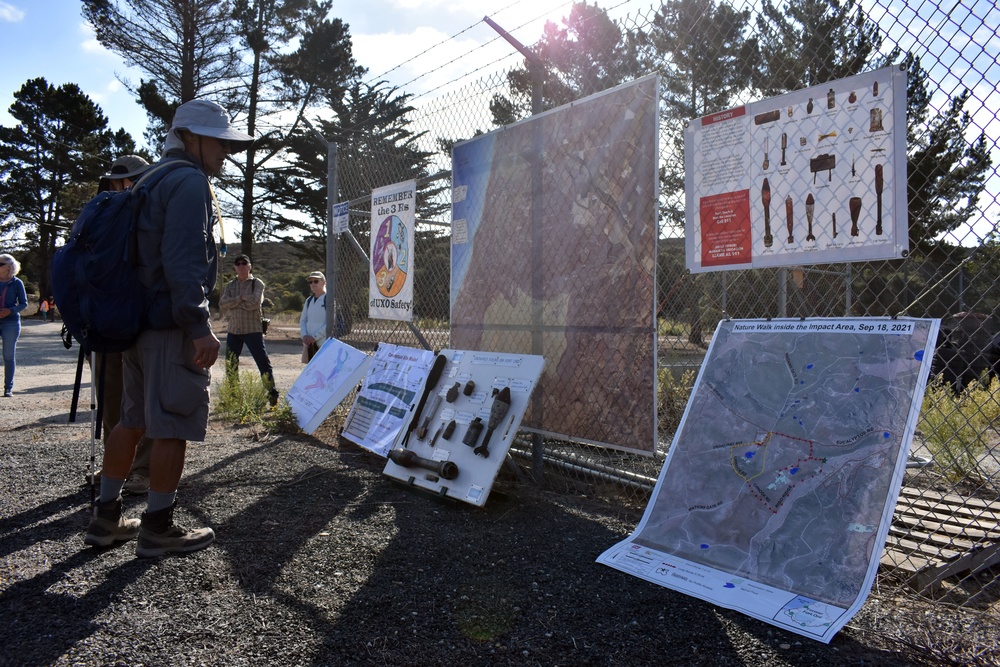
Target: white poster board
(391,276)
(477,390)
(778,492)
(387,397)
(325,381)
(813,176)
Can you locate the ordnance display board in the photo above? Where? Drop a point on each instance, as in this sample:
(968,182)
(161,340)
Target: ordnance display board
(473,387)
(813,176)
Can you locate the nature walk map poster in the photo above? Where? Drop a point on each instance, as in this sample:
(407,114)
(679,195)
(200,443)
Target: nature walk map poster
(777,494)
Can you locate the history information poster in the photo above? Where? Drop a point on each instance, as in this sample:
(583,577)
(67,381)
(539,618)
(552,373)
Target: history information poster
(778,492)
(809,177)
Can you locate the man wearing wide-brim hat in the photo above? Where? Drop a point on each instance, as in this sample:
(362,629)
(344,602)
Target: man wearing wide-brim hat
(166,371)
(124,173)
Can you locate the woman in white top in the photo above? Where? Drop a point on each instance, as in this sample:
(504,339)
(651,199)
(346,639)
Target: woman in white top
(312,323)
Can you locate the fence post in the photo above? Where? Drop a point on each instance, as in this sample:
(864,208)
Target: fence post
(332,262)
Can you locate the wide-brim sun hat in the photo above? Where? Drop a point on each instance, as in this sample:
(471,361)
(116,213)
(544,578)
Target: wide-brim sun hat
(127,166)
(208,119)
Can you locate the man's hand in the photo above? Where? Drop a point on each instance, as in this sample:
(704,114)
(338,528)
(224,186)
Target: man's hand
(4,312)
(206,350)
(308,340)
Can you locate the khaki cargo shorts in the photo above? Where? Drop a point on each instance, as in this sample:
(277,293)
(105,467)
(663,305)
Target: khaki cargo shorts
(164,392)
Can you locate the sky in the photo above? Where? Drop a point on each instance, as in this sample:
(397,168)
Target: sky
(421,45)
(50,39)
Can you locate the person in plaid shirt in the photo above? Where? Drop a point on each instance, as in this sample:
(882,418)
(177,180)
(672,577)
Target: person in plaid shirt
(241,302)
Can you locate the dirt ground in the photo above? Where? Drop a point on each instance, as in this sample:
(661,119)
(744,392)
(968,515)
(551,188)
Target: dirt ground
(320,560)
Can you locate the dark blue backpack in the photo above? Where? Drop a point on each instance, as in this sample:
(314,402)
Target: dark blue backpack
(93,276)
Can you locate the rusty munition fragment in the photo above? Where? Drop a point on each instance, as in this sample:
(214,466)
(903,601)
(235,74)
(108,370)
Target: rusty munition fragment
(765,199)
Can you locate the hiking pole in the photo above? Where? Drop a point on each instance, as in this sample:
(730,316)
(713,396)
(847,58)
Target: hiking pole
(93,433)
(76,387)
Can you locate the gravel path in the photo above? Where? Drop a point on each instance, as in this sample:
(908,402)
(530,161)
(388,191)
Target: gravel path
(320,560)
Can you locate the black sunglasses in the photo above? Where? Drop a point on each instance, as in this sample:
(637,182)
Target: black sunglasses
(311,282)
(240,262)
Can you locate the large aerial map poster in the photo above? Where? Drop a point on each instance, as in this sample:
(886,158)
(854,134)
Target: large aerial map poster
(779,487)
(554,254)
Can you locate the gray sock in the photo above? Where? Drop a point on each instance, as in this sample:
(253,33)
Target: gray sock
(156,501)
(111,488)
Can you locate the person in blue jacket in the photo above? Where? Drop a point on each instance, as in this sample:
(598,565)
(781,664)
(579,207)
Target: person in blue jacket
(166,371)
(12,301)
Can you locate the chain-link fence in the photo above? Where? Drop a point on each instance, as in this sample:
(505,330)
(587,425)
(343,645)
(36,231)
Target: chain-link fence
(710,57)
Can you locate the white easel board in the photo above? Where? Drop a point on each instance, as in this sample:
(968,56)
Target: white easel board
(326,381)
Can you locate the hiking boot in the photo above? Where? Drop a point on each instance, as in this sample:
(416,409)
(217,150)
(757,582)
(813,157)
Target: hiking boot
(159,536)
(137,485)
(273,399)
(109,526)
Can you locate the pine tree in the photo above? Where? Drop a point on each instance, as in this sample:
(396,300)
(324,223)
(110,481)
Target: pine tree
(809,42)
(49,163)
(587,55)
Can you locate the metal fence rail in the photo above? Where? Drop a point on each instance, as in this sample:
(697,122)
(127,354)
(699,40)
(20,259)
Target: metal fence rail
(712,56)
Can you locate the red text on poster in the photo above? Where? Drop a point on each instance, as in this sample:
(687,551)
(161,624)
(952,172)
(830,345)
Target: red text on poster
(725,228)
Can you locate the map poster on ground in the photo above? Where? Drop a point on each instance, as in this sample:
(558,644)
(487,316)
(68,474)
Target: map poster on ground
(778,491)
(388,393)
(813,176)
(390,279)
(326,381)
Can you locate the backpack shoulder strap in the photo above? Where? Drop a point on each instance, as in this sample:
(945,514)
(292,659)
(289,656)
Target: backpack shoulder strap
(165,167)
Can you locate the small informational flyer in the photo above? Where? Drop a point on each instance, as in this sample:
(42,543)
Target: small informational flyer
(326,381)
(390,279)
(341,217)
(388,394)
(779,488)
(813,176)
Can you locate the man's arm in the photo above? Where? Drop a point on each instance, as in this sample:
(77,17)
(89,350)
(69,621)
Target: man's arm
(230,298)
(256,299)
(186,265)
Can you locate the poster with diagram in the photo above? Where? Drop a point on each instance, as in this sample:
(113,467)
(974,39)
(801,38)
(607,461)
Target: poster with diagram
(388,394)
(813,176)
(778,492)
(327,379)
(390,276)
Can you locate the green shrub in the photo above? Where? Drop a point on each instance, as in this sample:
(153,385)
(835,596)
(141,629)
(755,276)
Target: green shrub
(242,397)
(672,395)
(955,426)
